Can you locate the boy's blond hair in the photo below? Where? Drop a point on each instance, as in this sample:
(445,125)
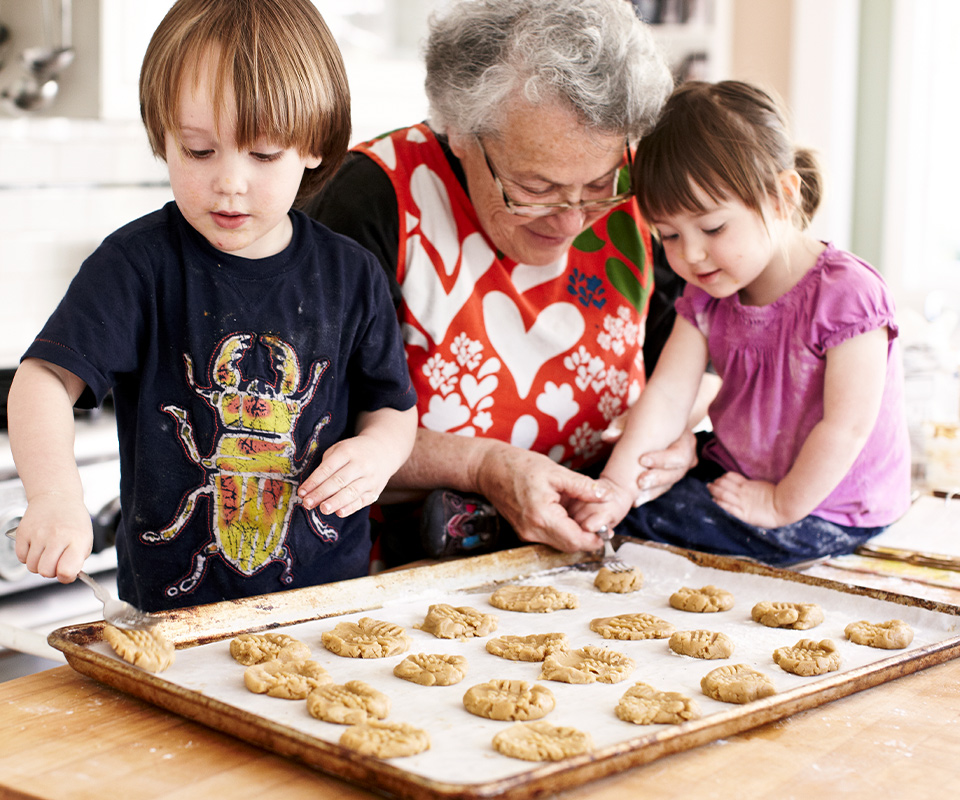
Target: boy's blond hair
(286,69)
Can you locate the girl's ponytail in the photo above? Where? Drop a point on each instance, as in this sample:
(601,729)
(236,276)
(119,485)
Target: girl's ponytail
(807,165)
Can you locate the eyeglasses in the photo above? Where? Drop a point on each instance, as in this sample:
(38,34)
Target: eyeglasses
(546,209)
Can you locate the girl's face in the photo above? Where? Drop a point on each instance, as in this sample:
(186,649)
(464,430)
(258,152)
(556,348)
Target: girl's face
(727,248)
(238,200)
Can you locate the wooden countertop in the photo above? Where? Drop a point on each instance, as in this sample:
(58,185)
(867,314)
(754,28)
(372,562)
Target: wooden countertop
(65,735)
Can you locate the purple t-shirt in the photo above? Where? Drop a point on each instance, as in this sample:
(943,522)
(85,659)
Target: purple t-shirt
(772,360)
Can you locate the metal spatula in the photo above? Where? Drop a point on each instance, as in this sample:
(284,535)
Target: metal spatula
(119,613)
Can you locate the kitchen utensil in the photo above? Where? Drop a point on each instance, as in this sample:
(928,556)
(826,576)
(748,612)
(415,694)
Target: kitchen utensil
(610,559)
(42,66)
(118,613)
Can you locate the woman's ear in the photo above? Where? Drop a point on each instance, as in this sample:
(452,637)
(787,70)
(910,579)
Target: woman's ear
(459,143)
(790,181)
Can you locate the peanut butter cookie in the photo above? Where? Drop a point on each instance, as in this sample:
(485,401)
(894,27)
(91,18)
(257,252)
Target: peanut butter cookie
(894,634)
(541,741)
(289,680)
(447,622)
(702,644)
(538,599)
(255,648)
(509,700)
(589,664)
(737,683)
(707,600)
(798,616)
(534,647)
(148,649)
(808,657)
(641,704)
(385,739)
(350,704)
(632,626)
(366,638)
(429,669)
(619,581)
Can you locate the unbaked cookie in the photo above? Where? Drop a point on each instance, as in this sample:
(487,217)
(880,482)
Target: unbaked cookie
(509,700)
(430,669)
(255,648)
(644,705)
(534,647)
(619,581)
(632,626)
(798,616)
(737,683)
(446,622)
(289,680)
(385,739)
(894,634)
(541,741)
(808,657)
(366,638)
(532,598)
(589,664)
(702,644)
(148,649)
(350,704)
(704,601)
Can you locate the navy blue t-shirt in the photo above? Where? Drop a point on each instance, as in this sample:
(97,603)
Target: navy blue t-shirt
(230,378)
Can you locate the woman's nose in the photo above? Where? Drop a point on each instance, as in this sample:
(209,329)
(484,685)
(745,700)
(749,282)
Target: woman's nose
(569,222)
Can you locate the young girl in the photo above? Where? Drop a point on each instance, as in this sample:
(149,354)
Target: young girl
(255,361)
(809,454)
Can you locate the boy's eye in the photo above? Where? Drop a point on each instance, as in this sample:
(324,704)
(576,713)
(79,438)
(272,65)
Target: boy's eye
(268,157)
(196,153)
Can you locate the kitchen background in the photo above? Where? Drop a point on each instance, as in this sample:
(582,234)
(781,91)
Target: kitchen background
(870,83)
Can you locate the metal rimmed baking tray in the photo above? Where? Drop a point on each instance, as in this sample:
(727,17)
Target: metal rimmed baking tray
(205,684)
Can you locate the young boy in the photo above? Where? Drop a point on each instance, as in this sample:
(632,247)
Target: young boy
(243,342)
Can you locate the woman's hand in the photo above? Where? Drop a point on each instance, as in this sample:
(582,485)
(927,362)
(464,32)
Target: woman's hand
(535,495)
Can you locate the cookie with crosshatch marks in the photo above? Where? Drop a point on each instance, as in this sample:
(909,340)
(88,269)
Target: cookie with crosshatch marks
(541,741)
(366,638)
(538,599)
(736,683)
(632,626)
(448,622)
(798,616)
(808,657)
(706,600)
(894,634)
(534,647)
(432,669)
(589,664)
(509,700)
(702,644)
(148,649)
(641,704)
(385,739)
(351,703)
(290,680)
(255,648)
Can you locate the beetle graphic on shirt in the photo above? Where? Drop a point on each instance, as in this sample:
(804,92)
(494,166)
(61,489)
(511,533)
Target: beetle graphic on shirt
(252,472)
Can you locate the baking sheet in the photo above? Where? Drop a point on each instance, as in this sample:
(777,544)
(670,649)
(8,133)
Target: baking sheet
(205,683)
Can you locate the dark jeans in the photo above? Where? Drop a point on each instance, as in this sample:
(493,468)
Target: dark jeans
(686,516)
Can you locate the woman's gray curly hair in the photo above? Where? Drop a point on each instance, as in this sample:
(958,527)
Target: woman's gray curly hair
(593,56)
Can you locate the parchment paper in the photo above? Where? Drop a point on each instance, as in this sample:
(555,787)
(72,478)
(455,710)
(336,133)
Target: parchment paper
(461,751)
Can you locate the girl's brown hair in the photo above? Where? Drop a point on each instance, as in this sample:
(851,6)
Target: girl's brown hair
(286,69)
(728,138)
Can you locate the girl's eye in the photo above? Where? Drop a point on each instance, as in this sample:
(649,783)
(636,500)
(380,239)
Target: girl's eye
(714,231)
(667,237)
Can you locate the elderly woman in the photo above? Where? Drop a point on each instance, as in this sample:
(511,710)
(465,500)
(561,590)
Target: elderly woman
(521,268)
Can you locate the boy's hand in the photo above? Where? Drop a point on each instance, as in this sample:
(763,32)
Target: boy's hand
(352,474)
(608,512)
(55,536)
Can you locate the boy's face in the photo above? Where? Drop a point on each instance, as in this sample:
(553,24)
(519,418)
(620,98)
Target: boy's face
(238,200)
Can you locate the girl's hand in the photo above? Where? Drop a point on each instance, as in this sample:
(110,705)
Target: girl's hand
(617,502)
(55,536)
(751,501)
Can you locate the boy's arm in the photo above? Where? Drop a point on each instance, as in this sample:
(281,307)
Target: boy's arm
(853,390)
(353,472)
(658,418)
(54,536)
